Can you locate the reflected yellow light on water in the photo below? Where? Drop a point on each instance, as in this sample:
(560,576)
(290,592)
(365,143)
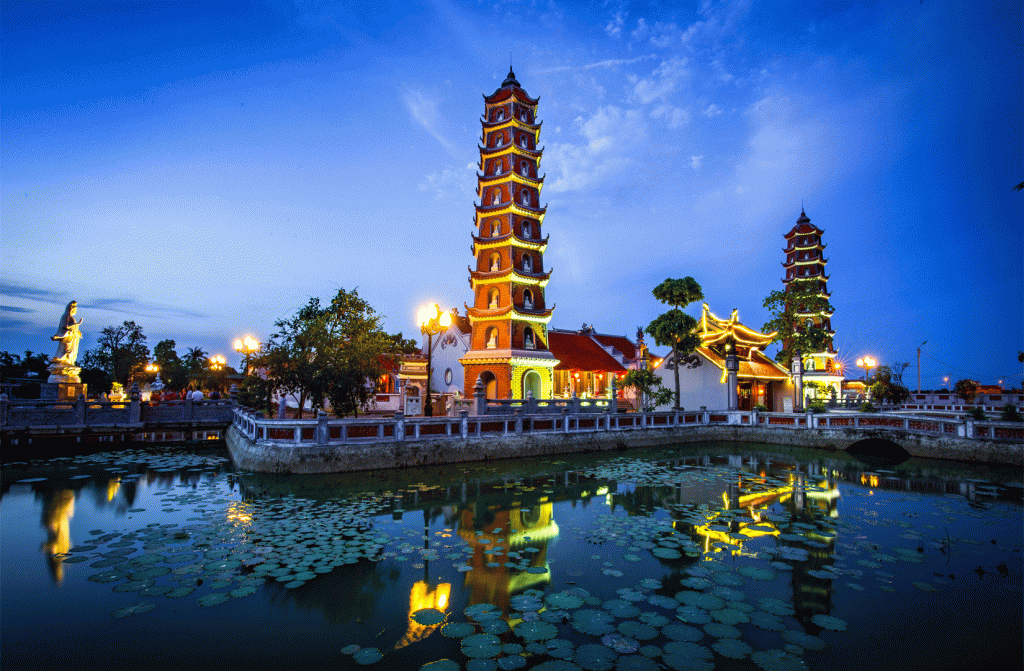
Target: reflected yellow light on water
(113,487)
(420,597)
(57,517)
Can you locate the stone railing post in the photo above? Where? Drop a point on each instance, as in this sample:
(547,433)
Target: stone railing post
(608,418)
(80,410)
(3,410)
(810,419)
(464,424)
(565,420)
(966,429)
(753,417)
(135,406)
(186,409)
(399,425)
(643,418)
(233,394)
(519,421)
(323,433)
(613,396)
(575,403)
(480,396)
(705,416)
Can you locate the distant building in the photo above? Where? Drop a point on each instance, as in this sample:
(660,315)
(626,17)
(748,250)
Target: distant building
(703,377)
(508,339)
(805,261)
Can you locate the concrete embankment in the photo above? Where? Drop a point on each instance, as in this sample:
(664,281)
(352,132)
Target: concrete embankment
(289,457)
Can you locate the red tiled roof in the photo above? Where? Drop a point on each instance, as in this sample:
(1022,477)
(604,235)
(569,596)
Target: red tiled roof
(577,351)
(620,343)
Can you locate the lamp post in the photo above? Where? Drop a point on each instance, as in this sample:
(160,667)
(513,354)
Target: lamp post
(919,365)
(157,383)
(432,321)
(246,346)
(867,363)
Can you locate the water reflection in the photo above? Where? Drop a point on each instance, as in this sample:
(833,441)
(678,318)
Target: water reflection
(58,508)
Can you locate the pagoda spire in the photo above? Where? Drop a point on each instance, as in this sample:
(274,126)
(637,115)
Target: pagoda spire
(509,313)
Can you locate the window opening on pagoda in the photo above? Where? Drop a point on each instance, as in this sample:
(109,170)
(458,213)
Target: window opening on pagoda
(522,142)
(525,197)
(495,228)
(495,167)
(527,263)
(809,365)
(496,197)
(524,169)
(528,299)
(527,232)
(493,300)
(499,115)
(528,338)
(492,338)
(495,262)
(809,324)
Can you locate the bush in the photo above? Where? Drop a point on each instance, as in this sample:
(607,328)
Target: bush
(867,407)
(817,407)
(761,407)
(1010,413)
(977,414)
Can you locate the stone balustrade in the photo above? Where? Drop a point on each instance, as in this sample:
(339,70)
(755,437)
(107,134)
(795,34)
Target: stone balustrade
(513,419)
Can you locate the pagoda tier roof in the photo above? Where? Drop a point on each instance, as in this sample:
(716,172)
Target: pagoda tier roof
(757,367)
(714,330)
(804,262)
(510,274)
(578,351)
(508,312)
(484,180)
(817,278)
(792,246)
(506,92)
(488,243)
(491,152)
(511,207)
(494,125)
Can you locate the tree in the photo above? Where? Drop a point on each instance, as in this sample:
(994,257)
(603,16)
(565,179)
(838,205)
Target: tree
(172,370)
(648,388)
(674,328)
(329,353)
(120,351)
(897,371)
(886,385)
(966,390)
(786,308)
(196,362)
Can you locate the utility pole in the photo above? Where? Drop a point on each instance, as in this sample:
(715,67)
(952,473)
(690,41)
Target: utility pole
(919,365)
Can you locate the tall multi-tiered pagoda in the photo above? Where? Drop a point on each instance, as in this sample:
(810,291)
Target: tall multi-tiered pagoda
(509,314)
(805,261)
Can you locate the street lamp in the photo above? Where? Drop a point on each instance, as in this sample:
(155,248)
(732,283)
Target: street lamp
(867,363)
(157,383)
(919,365)
(432,321)
(217,362)
(945,381)
(247,346)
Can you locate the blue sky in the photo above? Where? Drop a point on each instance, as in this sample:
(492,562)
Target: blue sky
(205,168)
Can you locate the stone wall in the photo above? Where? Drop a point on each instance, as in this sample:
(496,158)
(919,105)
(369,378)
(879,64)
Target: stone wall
(289,457)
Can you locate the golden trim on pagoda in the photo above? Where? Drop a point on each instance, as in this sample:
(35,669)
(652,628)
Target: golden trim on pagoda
(492,243)
(525,180)
(498,276)
(713,330)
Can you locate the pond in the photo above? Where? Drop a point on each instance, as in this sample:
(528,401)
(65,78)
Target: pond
(713,556)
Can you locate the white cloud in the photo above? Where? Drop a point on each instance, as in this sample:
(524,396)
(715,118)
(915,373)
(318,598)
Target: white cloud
(675,117)
(612,136)
(697,161)
(614,27)
(607,63)
(663,80)
(451,183)
(423,109)
(712,110)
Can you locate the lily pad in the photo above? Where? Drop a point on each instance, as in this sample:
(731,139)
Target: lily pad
(457,629)
(135,610)
(428,616)
(829,622)
(367,656)
(683,656)
(536,631)
(731,648)
(594,657)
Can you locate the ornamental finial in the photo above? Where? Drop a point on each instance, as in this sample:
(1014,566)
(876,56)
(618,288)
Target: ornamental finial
(510,79)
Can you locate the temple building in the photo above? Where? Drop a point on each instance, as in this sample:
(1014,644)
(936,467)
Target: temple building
(703,376)
(805,261)
(508,339)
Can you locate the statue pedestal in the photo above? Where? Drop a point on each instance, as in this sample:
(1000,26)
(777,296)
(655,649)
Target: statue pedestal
(62,391)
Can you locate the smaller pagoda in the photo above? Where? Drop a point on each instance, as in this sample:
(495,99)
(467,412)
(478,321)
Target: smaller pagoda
(805,262)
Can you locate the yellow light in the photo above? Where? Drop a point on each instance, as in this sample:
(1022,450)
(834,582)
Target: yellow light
(237,344)
(446,319)
(424,315)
